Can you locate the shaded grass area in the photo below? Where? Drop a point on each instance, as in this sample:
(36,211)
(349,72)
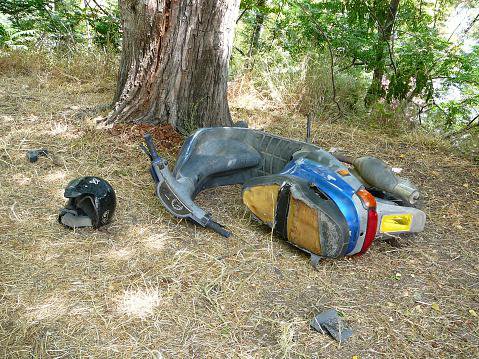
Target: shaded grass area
(151,286)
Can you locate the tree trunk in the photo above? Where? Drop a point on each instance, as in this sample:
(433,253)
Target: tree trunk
(385,24)
(174,62)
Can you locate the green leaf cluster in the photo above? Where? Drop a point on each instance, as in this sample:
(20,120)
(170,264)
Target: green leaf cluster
(58,24)
(404,46)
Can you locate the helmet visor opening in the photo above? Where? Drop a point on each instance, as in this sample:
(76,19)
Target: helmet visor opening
(85,206)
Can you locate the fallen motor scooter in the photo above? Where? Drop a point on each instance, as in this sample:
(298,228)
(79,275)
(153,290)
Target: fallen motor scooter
(303,192)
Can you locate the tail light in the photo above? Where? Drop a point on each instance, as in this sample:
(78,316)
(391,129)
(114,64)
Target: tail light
(369,203)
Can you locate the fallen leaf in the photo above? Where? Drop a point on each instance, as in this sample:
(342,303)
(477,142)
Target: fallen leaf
(472,312)
(435,306)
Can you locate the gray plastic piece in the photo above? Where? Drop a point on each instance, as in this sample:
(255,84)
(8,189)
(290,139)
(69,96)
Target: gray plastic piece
(386,208)
(330,322)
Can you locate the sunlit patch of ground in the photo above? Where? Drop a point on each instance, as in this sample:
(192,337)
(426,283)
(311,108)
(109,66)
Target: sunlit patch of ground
(150,284)
(21,180)
(57,176)
(140,303)
(51,308)
(121,253)
(156,241)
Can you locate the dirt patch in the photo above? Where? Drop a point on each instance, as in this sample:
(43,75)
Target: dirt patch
(165,136)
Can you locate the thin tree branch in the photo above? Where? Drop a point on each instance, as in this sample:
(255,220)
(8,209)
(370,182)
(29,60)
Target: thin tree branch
(382,30)
(454,31)
(239,50)
(331,57)
(47,9)
(101,9)
(440,108)
(469,125)
(353,63)
(241,15)
(471,24)
(435,15)
(275,30)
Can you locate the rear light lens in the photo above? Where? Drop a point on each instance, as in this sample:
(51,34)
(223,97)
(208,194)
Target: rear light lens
(367,199)
(370,230)
(369,203)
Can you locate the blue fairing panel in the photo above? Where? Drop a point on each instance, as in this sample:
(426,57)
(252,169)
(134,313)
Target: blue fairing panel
(330,183)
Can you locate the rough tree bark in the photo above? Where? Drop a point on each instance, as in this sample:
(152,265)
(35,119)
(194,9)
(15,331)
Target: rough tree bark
(174,62)
(385,24)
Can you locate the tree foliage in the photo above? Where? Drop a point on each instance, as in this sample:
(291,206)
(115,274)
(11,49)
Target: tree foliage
(58,24)
(405,49)
(404,45)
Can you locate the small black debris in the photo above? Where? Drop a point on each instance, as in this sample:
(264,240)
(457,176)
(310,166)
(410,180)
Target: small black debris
(33,155)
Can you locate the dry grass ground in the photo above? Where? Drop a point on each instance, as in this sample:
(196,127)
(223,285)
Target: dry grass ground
(150,286)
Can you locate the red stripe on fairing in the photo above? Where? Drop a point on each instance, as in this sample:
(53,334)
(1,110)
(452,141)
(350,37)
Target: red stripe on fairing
(370,230)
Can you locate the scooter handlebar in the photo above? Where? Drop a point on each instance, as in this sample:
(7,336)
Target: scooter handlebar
(151,146)
(218,228)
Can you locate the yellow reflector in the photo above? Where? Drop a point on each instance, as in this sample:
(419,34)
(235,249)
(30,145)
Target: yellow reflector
(396,223)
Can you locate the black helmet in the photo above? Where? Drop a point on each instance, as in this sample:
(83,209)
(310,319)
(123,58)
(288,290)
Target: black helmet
(91,203)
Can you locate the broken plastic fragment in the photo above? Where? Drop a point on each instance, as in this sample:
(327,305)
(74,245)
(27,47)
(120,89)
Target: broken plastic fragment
(330,322)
